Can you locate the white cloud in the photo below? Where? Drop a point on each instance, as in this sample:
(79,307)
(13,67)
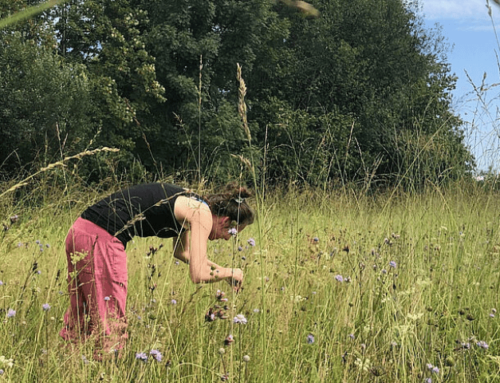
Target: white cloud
(458,9)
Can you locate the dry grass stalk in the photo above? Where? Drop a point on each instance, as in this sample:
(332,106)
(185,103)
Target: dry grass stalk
(56,165)
(242,107)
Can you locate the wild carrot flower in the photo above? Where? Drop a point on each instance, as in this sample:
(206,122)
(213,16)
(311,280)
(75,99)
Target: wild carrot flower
(240,318)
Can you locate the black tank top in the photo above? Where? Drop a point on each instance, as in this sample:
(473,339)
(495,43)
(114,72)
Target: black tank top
(144,210)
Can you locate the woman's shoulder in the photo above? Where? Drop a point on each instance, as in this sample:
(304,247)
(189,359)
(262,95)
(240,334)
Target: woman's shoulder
(189,207)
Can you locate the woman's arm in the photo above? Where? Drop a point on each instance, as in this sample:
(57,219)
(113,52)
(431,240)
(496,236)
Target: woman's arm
(192,249)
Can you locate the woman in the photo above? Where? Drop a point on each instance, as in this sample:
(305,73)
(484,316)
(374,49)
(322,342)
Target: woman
(97,262)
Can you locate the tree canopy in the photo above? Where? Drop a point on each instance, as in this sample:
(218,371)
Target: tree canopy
(360,91)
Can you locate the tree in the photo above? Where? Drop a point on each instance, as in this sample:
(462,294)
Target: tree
(44,104)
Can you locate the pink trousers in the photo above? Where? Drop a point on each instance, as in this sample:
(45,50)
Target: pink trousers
(97,286)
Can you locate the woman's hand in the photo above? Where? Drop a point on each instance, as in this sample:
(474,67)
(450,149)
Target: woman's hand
(236,279)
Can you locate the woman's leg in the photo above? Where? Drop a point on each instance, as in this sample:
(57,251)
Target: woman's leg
(97,285)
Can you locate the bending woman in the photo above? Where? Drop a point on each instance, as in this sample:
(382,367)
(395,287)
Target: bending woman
(97,262)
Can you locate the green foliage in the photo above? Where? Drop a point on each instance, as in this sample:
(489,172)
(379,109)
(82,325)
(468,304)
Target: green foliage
(44,104)
(360,93)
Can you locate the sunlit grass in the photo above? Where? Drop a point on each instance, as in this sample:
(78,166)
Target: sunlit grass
(350,288)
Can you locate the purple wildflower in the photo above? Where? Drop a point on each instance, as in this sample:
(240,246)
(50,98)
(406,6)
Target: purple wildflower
(11,313)
(46,307)
(384,271)
(141,356)
(156,355)
(173,301)
(429,366)
(229,340)
(339,278)
(482,344)
(106,299)
(1,283)
(435,370)
(1,372)
(310,338)
(393,264)
(315,239)
(251,242)
(233,231)
(352,336)
(240,248)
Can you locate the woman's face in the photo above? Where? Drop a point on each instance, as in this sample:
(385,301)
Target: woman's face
(221,226)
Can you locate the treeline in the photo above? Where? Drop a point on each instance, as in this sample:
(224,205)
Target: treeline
(360,92)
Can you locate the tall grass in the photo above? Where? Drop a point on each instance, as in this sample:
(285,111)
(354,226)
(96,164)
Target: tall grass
(355,288)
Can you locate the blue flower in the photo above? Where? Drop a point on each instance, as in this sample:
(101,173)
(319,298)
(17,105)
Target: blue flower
(141,356)
(310,339)
(482,344)
(156,355)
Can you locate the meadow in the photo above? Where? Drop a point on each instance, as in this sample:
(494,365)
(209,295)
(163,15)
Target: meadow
(340,286)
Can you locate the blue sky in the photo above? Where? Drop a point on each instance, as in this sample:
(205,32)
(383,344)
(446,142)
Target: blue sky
(469,31)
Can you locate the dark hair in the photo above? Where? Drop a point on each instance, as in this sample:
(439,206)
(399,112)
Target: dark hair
(232,203)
